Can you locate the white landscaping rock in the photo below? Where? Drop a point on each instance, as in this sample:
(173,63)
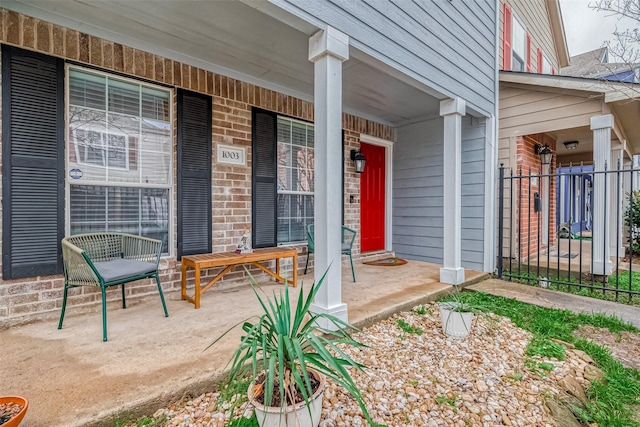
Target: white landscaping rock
(426,379)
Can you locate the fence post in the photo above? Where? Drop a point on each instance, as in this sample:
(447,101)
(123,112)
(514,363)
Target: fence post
(500,219)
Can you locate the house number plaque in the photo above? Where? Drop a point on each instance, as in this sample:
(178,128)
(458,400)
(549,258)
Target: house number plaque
(232,155)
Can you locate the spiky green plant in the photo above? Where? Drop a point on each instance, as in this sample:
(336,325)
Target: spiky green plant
(283,344)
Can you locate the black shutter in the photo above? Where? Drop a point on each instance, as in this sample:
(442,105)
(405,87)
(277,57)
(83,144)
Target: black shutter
(32,163)
(194,173)
(263,186)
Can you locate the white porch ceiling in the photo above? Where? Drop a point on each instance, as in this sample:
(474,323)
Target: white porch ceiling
(584,136)
(237,40)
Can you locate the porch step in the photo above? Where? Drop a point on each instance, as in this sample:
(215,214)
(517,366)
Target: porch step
(374,256)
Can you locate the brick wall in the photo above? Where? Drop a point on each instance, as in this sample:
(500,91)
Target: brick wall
(528,222)
(22,300)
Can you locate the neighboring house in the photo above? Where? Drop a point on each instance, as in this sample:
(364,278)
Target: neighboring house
(532,40)
(532,36)
(192,121)
(578,119)
(595,65)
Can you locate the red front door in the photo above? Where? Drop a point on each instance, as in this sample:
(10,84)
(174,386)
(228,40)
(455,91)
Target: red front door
(372,198)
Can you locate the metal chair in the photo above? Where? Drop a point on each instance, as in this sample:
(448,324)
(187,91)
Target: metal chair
(348,237)
(108,259)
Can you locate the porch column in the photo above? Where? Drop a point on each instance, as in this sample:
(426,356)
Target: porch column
(617,196)
(452,110)
(328,48)
(601,127)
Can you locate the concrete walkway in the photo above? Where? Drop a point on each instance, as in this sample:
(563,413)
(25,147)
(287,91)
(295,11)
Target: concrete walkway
(72,378)
(555,299)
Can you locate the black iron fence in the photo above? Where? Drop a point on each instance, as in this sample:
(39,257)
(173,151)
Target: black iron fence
(572,229)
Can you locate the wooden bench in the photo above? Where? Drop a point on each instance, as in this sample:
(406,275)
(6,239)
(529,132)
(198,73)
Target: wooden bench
(228,260)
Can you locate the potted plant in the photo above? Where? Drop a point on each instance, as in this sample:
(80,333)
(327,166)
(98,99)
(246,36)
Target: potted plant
(287,354)
(12,410)
(456,316)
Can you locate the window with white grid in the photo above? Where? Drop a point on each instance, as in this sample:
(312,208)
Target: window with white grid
(119,145)
(519,45)
(295,179)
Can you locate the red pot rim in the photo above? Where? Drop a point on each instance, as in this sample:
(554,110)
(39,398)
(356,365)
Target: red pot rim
(16,419)
(15,399)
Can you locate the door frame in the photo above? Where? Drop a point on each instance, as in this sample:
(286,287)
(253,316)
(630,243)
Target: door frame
(388,164)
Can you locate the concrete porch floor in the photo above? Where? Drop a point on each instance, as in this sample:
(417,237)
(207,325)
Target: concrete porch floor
(72,378)
(572,255)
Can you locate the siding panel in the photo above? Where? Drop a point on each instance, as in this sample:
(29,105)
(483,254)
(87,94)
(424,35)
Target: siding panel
(449,46)
(418,193)
(473,136)
(526,111)
(534,15)
(419,152)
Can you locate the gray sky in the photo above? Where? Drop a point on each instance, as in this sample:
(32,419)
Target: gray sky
(587,29)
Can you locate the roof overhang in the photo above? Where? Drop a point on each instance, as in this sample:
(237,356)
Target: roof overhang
(557,29)
(254,42)
(620,99)
(613,91)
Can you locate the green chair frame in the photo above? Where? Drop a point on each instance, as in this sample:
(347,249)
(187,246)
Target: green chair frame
(348,237)
(80,252)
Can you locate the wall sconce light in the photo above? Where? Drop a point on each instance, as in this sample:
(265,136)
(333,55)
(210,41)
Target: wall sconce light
(359,160)
(544,152)
(570,145)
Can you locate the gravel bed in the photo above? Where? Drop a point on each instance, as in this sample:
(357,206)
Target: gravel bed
(425,379)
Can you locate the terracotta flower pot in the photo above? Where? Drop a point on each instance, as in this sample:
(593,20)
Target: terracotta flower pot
(296,415)
(15,421)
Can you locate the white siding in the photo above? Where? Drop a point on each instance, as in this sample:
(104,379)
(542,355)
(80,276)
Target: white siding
(535,16)
(524,111)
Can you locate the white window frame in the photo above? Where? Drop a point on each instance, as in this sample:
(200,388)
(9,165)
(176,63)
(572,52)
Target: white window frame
(546,67)
(170,251)
(292,192)
(516,22)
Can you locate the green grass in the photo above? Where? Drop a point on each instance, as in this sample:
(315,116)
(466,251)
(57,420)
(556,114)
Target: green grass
(228,389)
(451,401)
(244,422)
(402,324)
(572,285)
(538,368)
(421,310)
(611,402)
(515,377)
(125,419)
(623,280)
(542,346)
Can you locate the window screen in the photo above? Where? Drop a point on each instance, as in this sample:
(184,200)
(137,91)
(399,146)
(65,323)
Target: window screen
(519,45)
(119,156)
(295,185)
